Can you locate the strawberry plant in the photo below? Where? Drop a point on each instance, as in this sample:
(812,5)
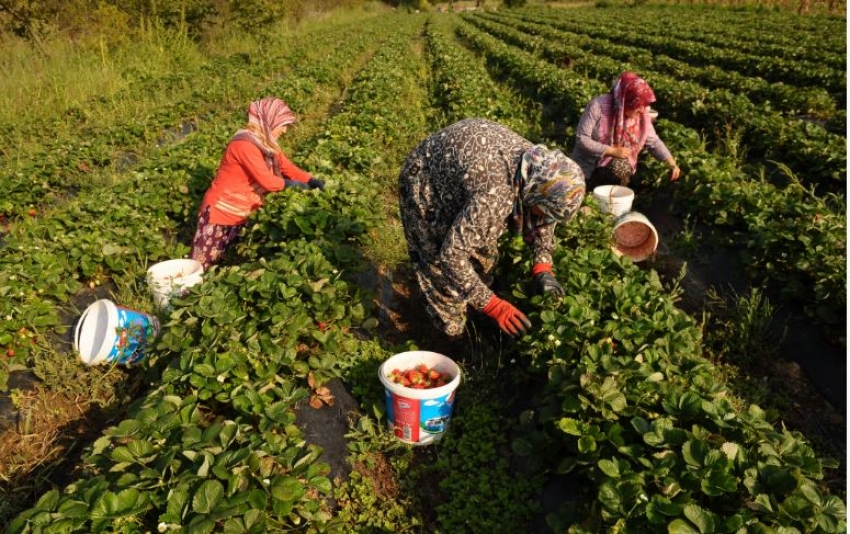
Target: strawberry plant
(624,403)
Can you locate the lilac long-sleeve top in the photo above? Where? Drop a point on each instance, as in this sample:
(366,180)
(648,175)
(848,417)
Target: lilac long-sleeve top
(592,127)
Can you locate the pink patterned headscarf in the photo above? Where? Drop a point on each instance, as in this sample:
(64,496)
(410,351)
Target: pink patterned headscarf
(628,94)
(270,113)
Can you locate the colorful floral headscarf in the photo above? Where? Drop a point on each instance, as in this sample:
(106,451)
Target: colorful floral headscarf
(629,93)
(548,179)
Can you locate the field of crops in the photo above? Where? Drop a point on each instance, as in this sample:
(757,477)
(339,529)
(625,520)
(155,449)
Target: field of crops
(612,414)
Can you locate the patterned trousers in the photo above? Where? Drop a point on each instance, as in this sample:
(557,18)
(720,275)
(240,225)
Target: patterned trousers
(211,240)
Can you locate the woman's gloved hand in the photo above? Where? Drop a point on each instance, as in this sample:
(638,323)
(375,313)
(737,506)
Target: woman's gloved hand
(510,320)
(295,184)
(545,281)
(315,183)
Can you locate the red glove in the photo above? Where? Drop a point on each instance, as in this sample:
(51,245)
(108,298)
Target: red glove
(538,268)
(509,319)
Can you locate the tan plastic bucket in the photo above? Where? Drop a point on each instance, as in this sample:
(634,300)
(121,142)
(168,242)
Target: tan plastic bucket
(635,236)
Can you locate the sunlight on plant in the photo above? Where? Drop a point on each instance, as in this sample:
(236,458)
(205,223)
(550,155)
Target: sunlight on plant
(730,143)
(70,77)
(674,285)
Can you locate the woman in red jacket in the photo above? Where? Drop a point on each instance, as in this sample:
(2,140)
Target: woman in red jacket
(252,166)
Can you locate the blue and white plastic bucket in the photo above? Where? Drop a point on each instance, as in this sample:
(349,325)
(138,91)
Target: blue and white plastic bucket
(419,416)
(108,333)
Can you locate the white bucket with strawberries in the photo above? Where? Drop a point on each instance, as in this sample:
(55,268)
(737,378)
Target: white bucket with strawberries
(420,391)
(173,278)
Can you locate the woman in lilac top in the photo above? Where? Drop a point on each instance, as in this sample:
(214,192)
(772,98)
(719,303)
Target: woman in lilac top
(613,129)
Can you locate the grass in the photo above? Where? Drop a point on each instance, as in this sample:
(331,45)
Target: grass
(389,247)
(67,78)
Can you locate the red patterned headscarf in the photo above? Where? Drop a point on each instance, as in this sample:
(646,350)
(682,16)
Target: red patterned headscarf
(270,113)
(628,94)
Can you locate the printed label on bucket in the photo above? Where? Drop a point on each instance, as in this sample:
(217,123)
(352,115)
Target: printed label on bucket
(419,420)
(134,331)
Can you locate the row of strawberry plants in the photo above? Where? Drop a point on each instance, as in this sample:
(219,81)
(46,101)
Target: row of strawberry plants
(459,81)
(638,419)
(772,68)
(787,235)
(216,445)
(88,154)
(794,49)
(110,235)
(815,225)
(641,423)
(807,148)
(782,97)
(819,40)
(816,39)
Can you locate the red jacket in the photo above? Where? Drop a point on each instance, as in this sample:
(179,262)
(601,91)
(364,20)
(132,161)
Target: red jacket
(242,180)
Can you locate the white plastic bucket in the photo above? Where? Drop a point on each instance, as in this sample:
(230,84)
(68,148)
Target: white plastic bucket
(614,199)
(107,333)
(419,416)
(635,236)
(172,278)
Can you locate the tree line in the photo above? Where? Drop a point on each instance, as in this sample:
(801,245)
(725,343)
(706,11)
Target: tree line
(117,19)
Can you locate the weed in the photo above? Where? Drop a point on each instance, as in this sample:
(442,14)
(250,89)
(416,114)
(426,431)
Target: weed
(747,330)
(686,242)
